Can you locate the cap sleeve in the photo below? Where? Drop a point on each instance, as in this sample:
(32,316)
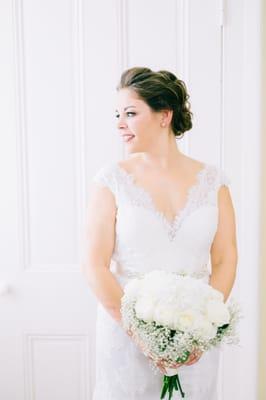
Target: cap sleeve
(105,177)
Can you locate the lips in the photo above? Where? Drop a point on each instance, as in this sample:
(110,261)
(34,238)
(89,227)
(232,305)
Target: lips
(127,137)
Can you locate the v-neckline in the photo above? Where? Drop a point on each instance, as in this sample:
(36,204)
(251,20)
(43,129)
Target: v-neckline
(188,198)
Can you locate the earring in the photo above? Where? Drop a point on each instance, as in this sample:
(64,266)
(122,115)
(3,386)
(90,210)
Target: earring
(163,124)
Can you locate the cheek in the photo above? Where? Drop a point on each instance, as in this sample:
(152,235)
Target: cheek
(137,125)
(143,126)
(143,121)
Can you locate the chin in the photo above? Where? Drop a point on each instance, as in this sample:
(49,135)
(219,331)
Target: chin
(132,149)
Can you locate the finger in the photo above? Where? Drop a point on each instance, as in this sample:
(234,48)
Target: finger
(161,367)
(198,354)
(189,363)
(190,360)
(174,365)
(163,370)
(195,359)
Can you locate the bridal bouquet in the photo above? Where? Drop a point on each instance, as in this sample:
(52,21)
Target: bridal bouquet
(174,315)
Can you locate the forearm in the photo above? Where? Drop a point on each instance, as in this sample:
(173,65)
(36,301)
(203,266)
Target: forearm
(107,290)
(223,277)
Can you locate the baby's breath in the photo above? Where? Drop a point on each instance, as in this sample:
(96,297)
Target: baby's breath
(171,345)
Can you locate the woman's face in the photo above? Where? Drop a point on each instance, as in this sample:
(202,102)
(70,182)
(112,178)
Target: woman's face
(137,123)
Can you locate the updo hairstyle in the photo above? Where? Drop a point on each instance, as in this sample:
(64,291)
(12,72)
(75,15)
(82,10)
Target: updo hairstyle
(160,90)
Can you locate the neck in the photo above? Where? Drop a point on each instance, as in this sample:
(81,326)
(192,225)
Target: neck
(162,154)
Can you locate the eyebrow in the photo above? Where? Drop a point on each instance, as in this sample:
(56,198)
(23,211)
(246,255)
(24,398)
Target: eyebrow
(127,108)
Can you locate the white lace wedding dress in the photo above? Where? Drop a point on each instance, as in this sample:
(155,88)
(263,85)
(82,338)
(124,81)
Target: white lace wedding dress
(147,240)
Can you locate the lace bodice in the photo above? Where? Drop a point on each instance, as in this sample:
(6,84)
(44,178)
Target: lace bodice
(146,239)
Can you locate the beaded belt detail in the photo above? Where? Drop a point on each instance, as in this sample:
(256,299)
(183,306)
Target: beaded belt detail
(122,272)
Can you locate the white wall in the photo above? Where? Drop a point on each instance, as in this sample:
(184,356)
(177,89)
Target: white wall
(262,286)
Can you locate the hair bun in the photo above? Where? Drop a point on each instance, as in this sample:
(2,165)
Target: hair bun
(168,75)
(161,90)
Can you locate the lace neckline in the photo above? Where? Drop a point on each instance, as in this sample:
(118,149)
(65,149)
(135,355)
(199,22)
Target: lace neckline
(172,224)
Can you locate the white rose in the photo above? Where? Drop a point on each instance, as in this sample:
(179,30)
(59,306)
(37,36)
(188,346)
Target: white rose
(217,312)
(144,308)
(204,329)
(185,320)
(164,315)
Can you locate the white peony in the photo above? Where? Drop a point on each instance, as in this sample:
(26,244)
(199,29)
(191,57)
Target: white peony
(185,320)
(164,315)
(179,302)
(217,312)
(204,329)
(144,308)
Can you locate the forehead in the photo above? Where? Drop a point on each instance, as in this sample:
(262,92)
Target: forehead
(126,98)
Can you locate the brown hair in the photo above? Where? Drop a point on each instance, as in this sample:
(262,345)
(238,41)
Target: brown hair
(160,90)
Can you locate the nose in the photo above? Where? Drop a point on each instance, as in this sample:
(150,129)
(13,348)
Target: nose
(121,122)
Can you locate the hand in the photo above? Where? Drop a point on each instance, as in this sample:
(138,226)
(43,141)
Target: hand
(162,364)
(194,357)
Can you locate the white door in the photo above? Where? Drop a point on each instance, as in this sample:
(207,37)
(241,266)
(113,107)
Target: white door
(60,64)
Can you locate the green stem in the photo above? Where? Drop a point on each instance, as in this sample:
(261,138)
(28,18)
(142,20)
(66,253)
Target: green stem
(165,387)
(179,385)
(171,383)
(170,390)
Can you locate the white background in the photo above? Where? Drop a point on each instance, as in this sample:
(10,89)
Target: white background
(60,63)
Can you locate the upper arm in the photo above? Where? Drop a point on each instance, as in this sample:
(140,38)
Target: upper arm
(100,228)
(224,246)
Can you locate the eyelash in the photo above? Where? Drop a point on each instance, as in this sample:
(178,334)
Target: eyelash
(129,112)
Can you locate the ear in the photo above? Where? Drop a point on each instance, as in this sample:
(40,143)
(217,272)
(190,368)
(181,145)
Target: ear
(166,116)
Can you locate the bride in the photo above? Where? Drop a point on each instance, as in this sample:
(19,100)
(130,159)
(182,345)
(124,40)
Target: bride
(157,208)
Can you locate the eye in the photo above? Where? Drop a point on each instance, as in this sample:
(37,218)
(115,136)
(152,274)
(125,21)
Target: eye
(129,112)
